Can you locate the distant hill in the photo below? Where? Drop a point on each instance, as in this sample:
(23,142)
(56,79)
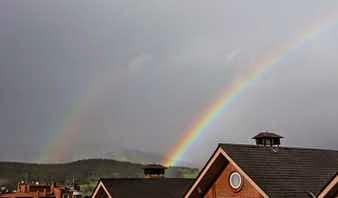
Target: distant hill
(85,172)
(137,156)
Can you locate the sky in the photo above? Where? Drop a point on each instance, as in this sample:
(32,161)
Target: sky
(81,78)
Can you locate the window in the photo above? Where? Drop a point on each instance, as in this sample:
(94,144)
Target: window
(235,181)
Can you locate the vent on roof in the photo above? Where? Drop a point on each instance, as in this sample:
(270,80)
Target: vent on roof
(267,138)
(154,171)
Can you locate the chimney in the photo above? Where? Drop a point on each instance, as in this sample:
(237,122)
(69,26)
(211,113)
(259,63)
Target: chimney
(267,139)
(154,171)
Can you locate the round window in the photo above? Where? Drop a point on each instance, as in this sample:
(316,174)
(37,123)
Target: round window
(235,180)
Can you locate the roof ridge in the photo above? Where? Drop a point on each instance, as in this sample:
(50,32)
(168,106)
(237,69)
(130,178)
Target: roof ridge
(280,147)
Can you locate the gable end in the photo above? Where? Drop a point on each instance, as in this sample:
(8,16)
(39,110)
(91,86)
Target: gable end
(99,189)
(219,159)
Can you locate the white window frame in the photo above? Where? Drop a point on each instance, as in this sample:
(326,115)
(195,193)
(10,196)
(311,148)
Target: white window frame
(235,187)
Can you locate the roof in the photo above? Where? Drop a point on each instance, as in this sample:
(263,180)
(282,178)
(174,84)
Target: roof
(266,135)
(151,188)
(285,172)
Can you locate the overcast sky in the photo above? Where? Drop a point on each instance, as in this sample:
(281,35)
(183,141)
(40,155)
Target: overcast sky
(135,74)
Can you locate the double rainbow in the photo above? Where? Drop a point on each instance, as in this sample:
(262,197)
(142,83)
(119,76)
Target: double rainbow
(60,144)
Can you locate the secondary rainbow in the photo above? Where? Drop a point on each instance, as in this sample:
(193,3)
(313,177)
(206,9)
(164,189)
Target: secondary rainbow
(60,147)
(262,65)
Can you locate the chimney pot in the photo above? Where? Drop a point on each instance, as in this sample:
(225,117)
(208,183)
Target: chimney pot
(154,171)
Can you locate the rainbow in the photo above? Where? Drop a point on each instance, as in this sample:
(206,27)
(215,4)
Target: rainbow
(261,66)
(60,148)
(60,142)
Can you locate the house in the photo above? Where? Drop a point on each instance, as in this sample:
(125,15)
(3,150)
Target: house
(37,190)
(261,170)
(267,170)
(153,185)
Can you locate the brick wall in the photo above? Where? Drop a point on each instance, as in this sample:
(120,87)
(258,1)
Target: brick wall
(222,188)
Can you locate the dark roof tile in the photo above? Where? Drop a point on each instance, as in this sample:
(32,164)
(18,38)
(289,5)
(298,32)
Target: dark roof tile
(151,188)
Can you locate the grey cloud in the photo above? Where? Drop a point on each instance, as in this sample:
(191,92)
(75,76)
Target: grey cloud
(147,69)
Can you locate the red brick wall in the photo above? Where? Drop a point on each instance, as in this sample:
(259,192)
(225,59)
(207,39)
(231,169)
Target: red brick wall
(222,188)
(57,192)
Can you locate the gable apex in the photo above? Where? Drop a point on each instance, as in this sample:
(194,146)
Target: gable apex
(100,186)
(215,165)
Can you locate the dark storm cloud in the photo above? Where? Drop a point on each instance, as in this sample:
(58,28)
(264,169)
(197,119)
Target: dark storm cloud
(151,67)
